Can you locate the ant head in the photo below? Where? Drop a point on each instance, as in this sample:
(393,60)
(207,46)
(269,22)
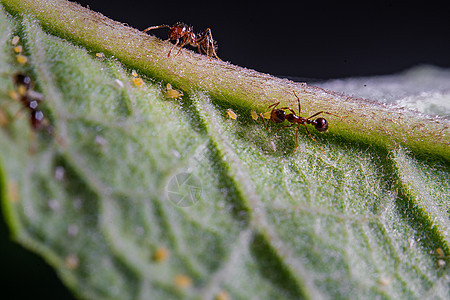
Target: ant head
(278,116)
(177,31)
(180,30)
(321,124)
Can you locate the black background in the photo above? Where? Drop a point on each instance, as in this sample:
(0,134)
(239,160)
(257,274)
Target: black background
(305,39)
(317,40)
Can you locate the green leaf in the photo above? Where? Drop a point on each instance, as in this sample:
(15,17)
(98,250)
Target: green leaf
(137,195)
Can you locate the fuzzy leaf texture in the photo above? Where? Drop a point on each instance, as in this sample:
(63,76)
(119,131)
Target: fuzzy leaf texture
(138,195)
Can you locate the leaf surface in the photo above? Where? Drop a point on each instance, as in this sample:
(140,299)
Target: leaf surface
(130,173)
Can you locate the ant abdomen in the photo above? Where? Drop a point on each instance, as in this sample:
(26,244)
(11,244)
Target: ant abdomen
(321,124)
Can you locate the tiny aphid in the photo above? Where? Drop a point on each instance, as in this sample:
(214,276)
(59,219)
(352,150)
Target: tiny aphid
(134,73)
(100,54)
(272,145)
(18,49)
(161,254)
(222,295)
(183,35)
(231,114)
(172,93)
(138,81)
(278,115)
(254,115)
(119,83)
(182,281)
(384,281)
(15,40)
(21,59)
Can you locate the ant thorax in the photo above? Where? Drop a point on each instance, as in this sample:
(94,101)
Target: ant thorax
(295,119)
(178,30)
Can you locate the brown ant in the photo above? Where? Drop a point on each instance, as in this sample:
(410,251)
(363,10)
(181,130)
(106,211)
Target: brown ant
(183,34)
(278,115)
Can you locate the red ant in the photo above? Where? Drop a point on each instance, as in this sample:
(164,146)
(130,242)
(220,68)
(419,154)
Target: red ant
(183,34)
(278,115)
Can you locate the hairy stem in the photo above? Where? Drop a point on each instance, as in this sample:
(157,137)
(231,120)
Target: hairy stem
(366,122)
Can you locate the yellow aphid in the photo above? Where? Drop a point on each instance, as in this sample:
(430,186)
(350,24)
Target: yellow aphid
(440,252)
(15,40)
(134,73)
(138,81)
(267,114)
(231,114)
(161,254)
(72,261)
(100,54)
(222,295)
(18,49)
(171,93)
(384,281)
(254,115)
(183,281)
(21,59)
(22,90)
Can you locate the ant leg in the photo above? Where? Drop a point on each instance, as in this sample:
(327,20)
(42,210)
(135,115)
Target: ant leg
(183,42)
(296,139)
(325,112)
(210,39)
(275,105)
(290,125)
(170,51)
(296,134)
(202,49)
(265,125)
(155,27)
(299,106)
(290,109)
(307,131)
